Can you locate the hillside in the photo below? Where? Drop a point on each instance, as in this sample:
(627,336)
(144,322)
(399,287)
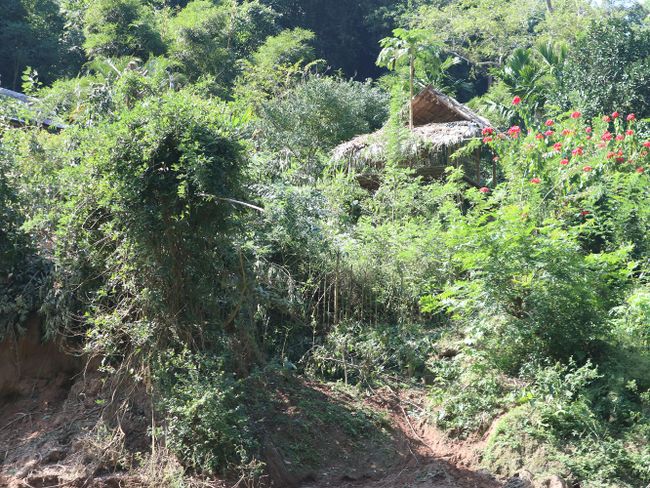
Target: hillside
(281,243)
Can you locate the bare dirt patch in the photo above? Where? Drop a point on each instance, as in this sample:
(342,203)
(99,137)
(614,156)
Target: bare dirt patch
(311,435)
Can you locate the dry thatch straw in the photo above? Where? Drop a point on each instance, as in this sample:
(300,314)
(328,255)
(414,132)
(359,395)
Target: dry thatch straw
(442,126)
(370,150)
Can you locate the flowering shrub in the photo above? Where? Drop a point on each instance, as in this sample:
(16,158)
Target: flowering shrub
(549,286)
(547,253)
(568,167)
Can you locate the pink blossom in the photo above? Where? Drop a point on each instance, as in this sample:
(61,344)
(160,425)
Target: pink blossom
(576,115)
(535,181)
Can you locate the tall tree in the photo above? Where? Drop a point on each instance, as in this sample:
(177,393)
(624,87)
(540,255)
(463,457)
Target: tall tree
(121,28)
(29,37)
(405,46)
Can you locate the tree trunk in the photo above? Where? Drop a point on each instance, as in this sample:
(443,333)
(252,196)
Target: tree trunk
(549,5)
(412,77)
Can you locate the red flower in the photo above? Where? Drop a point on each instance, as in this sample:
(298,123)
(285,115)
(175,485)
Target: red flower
(549,123)
(587,169)
(535,181)
(487,131)
(629,132)
(514,131)
(611,154)
(576,115)
(646,144)
(607,136)
(584,213)
(620,159)
(557,146)
(487,139)
(484,189)
(620,137)
(567,132)
(516,101)
(564,162)
(640,170)
(549,133)
(615,115)
(588,130)
(539,136)
(606,118)
(577,151)
(631,117)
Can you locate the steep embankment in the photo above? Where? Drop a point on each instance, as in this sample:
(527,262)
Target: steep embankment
(62,426)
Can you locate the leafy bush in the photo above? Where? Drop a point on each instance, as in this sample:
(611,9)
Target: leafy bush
(320,113)
(121,28)
(205,421)
(610,49)
(366,355)
(561,415)
(164,175)
(466,394)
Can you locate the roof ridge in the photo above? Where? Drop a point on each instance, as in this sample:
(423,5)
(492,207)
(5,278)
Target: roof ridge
(454,105)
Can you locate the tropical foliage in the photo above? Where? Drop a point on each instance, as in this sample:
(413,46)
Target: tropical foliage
(183,225)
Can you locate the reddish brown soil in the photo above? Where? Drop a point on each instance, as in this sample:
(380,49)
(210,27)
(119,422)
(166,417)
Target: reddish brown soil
(426,457)
(48,406)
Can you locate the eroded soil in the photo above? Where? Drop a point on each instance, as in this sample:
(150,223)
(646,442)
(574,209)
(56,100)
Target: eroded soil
(53,432)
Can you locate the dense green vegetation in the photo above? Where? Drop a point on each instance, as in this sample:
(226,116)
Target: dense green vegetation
(189,228)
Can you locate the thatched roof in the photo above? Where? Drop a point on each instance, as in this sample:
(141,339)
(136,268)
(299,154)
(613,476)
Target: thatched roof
(12,94)
(432,106)
(439,120)
(27,101)
(370,149)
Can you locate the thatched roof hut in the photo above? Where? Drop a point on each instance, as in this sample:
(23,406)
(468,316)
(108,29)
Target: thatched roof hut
(441,126)
(24,113)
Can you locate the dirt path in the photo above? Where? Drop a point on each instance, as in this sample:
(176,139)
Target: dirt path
(429,459)
(43,444)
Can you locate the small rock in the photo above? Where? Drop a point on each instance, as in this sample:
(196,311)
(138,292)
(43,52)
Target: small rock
(523,479)
(55,455)
(554,482)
